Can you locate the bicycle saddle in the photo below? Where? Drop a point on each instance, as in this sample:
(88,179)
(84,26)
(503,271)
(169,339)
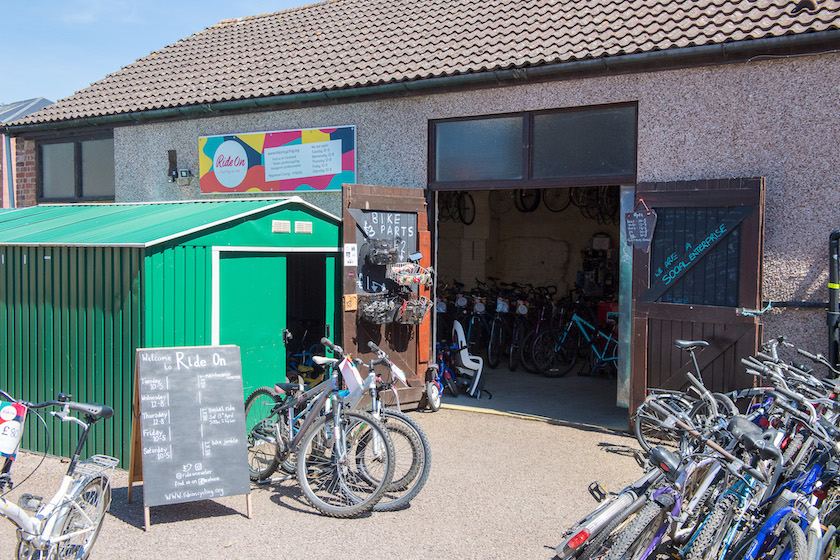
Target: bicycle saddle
(686,344)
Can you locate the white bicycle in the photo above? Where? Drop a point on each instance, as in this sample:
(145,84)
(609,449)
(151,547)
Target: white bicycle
(67,525)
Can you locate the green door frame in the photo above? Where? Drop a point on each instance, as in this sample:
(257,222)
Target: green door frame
(331,297)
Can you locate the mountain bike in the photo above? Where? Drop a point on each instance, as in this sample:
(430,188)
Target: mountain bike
(555,353)
(68,524)
(345,458)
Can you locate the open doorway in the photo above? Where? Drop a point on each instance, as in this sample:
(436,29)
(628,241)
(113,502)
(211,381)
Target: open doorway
(528,260)
(306,314)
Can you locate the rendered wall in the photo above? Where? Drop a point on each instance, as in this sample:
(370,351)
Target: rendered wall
(772,118)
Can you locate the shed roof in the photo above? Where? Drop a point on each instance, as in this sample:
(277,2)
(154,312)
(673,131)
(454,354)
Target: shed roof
(127,224)
(353,44)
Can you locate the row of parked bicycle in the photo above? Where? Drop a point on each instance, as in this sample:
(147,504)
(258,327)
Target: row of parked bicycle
(529,326)
(348,451)
(751,474)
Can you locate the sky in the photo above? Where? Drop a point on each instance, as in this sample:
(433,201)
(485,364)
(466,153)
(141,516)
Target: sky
(54,48)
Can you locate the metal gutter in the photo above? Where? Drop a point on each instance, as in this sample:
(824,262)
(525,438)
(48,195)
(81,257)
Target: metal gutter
(719,53)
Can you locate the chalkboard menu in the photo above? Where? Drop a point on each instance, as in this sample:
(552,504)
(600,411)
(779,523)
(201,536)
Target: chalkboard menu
(192,424)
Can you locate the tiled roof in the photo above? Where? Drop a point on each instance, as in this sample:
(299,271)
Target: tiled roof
(341,44)
(14,111)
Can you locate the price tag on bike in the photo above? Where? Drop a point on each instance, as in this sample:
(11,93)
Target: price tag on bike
(12,416)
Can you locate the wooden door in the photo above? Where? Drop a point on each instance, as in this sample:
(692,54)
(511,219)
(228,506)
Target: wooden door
(398,215)
(704,263)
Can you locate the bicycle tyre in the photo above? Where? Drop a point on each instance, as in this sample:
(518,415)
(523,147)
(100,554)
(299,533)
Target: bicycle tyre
(433,394)
(553,358)
(495,345)
(526,356)
(94,499)
(527,200)
(557,199)
(333,485)
(604,540)
(708,541)
(395,499)
(516,341)
(500,201)
(646,424)
(263,448)
(641,531)
(466,208)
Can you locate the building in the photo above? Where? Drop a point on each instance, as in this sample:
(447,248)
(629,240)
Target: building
(9,113)
(720,116)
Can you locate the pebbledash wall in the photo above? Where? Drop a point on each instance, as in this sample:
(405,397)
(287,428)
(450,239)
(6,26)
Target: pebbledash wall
(778,119)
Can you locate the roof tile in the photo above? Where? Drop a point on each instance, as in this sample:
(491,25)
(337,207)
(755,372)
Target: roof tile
(355,43)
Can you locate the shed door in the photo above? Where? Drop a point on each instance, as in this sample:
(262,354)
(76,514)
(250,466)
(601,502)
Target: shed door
(398,214)
(704,263)
(252,313)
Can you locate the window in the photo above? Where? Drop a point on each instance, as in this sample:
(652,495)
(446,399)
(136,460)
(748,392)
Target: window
(79,169)
(568,147)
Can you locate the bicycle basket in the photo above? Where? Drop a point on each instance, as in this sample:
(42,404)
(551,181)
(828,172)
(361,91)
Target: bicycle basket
(409,274)
(378,310)
(382,252)
(413,311)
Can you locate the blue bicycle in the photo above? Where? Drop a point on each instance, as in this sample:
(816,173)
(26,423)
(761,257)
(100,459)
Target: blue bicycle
(555,352)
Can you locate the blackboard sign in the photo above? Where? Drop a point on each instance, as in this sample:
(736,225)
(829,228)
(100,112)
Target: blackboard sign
(640,226)
(379,231)
(192,424)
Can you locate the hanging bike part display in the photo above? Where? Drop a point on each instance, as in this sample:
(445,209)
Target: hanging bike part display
(640,225)
(189,426)
(382,238)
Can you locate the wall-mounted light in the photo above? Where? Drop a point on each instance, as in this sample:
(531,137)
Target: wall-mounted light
(184,176)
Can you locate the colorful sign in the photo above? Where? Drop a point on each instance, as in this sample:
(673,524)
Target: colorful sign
(283,161)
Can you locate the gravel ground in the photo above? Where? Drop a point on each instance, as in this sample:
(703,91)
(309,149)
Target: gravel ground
(500,487)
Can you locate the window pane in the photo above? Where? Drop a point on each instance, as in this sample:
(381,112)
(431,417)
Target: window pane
(57,170)
(585,143)
(479,149)
(98,168)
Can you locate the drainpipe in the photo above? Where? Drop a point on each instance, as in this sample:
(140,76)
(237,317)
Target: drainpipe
(833,315)
(9,177)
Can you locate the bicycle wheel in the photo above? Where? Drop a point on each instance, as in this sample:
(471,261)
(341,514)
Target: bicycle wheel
(527,200)
(500,202)
(433,393)
(409,480)
(516,341)
(526,356)
(263,447)
(495,345)
(557,200)
(466,208)
(346,475)
(647,423)
(554,358)
(706,545)
(644,531)
(84,520)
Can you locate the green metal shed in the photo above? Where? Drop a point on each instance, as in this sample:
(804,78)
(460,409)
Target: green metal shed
(82,286)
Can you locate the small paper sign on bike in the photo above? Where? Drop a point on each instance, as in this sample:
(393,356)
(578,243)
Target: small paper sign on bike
(12,416)
(350,373)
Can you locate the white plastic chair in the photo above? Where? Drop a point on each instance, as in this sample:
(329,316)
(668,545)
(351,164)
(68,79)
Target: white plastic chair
(466,363)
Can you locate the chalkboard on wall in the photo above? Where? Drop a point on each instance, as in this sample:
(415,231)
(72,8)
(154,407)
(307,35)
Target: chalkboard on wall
(191,424)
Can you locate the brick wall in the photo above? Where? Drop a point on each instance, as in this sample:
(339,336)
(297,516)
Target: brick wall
(25,184)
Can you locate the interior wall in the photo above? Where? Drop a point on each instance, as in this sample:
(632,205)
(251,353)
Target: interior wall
(540,248)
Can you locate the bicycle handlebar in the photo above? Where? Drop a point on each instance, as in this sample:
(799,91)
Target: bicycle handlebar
(335,348)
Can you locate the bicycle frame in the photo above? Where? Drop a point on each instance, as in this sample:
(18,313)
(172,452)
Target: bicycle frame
(42,531)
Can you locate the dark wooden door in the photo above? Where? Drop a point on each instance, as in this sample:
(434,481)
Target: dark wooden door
(399,216)
(704,263)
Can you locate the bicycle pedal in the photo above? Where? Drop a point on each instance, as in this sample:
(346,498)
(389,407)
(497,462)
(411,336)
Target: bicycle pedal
(598,491)
(30,502)
(640,458)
